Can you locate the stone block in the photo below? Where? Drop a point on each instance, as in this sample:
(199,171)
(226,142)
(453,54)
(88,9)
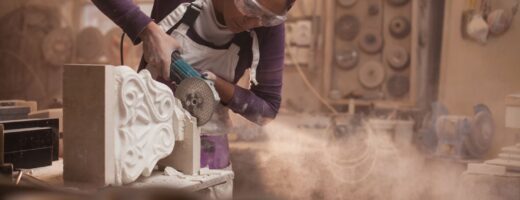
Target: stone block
(118,124)
(186,155)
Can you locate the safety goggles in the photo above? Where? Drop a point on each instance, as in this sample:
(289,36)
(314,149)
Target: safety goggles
(254,9)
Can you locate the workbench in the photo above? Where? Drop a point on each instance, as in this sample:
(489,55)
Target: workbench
(53,176)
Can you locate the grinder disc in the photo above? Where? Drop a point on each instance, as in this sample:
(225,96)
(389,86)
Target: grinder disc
(197,98)
(399,27)
(371,74)
(347,58)
(348,27)
(371,41)
(397,57)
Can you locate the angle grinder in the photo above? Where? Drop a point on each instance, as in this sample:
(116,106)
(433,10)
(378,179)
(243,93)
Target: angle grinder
(197,94)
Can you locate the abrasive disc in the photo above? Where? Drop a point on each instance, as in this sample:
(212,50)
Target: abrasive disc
(398,2)
(399,27)
(398,85)
(57,47)
(371,74)
(197,98)
(374,8)
(346,58)
(347,3)
(482,132)
(371,41)
(397,57)
(347,27)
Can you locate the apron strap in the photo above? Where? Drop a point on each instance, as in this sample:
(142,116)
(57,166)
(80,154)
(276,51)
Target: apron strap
(188,19)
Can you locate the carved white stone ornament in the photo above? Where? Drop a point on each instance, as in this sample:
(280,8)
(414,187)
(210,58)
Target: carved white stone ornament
(119,124)
(145,132)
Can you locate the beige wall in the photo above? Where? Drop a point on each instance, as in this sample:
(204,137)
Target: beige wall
(472,73)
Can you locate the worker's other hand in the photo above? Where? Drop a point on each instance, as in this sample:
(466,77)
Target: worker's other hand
(209,75)
(158,48)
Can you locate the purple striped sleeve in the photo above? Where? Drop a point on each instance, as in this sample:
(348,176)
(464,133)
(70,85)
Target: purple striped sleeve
(263,101)
(125,14)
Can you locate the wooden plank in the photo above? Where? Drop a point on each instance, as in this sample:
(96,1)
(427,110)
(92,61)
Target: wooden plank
(33,105)
(329,15)
(507,156)
(414,53)
(509,164)
(513,100)
(481,168)
(511,149)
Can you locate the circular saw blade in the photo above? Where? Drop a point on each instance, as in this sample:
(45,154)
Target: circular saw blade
(371,41)
(371,74)
(397,57)
(482,131)
(346,58)
(197,98)
(348,27)
(400,27)
(398,85)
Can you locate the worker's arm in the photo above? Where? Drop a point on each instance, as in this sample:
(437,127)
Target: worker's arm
(157,45)
(260,104)
(125,14)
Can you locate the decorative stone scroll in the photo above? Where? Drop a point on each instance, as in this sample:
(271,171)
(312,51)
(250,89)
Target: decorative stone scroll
(118,124)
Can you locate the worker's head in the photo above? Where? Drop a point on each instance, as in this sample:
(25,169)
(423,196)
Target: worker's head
(248,14)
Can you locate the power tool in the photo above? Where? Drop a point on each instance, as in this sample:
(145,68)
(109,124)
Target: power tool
(197,94)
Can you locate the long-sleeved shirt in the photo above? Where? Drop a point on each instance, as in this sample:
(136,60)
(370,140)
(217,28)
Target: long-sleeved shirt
(256,104)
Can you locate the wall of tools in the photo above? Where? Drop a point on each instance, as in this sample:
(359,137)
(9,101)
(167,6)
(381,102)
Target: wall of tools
(373,53)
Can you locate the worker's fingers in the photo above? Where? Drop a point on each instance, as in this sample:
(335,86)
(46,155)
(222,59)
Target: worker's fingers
(165,67)
(158,48)
(209,75)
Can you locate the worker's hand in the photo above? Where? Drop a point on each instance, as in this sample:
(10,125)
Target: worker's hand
(209,75)
(157,49)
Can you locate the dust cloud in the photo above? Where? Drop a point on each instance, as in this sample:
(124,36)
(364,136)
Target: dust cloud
(311,163)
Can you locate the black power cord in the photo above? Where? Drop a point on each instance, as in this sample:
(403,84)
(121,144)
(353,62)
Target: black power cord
(121,49)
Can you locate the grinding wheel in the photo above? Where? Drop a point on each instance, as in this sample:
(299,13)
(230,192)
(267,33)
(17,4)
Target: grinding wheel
(57,47)
(371,74)
(374,8)
(371,41)
(197,98)
(399,27)
(398,2)
(398,85)
(347,58)
(90,45)
(397,57)
(347,3)
(481,137)
(347,27)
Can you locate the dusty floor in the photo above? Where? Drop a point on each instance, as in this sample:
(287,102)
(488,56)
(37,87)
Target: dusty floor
(291,161)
